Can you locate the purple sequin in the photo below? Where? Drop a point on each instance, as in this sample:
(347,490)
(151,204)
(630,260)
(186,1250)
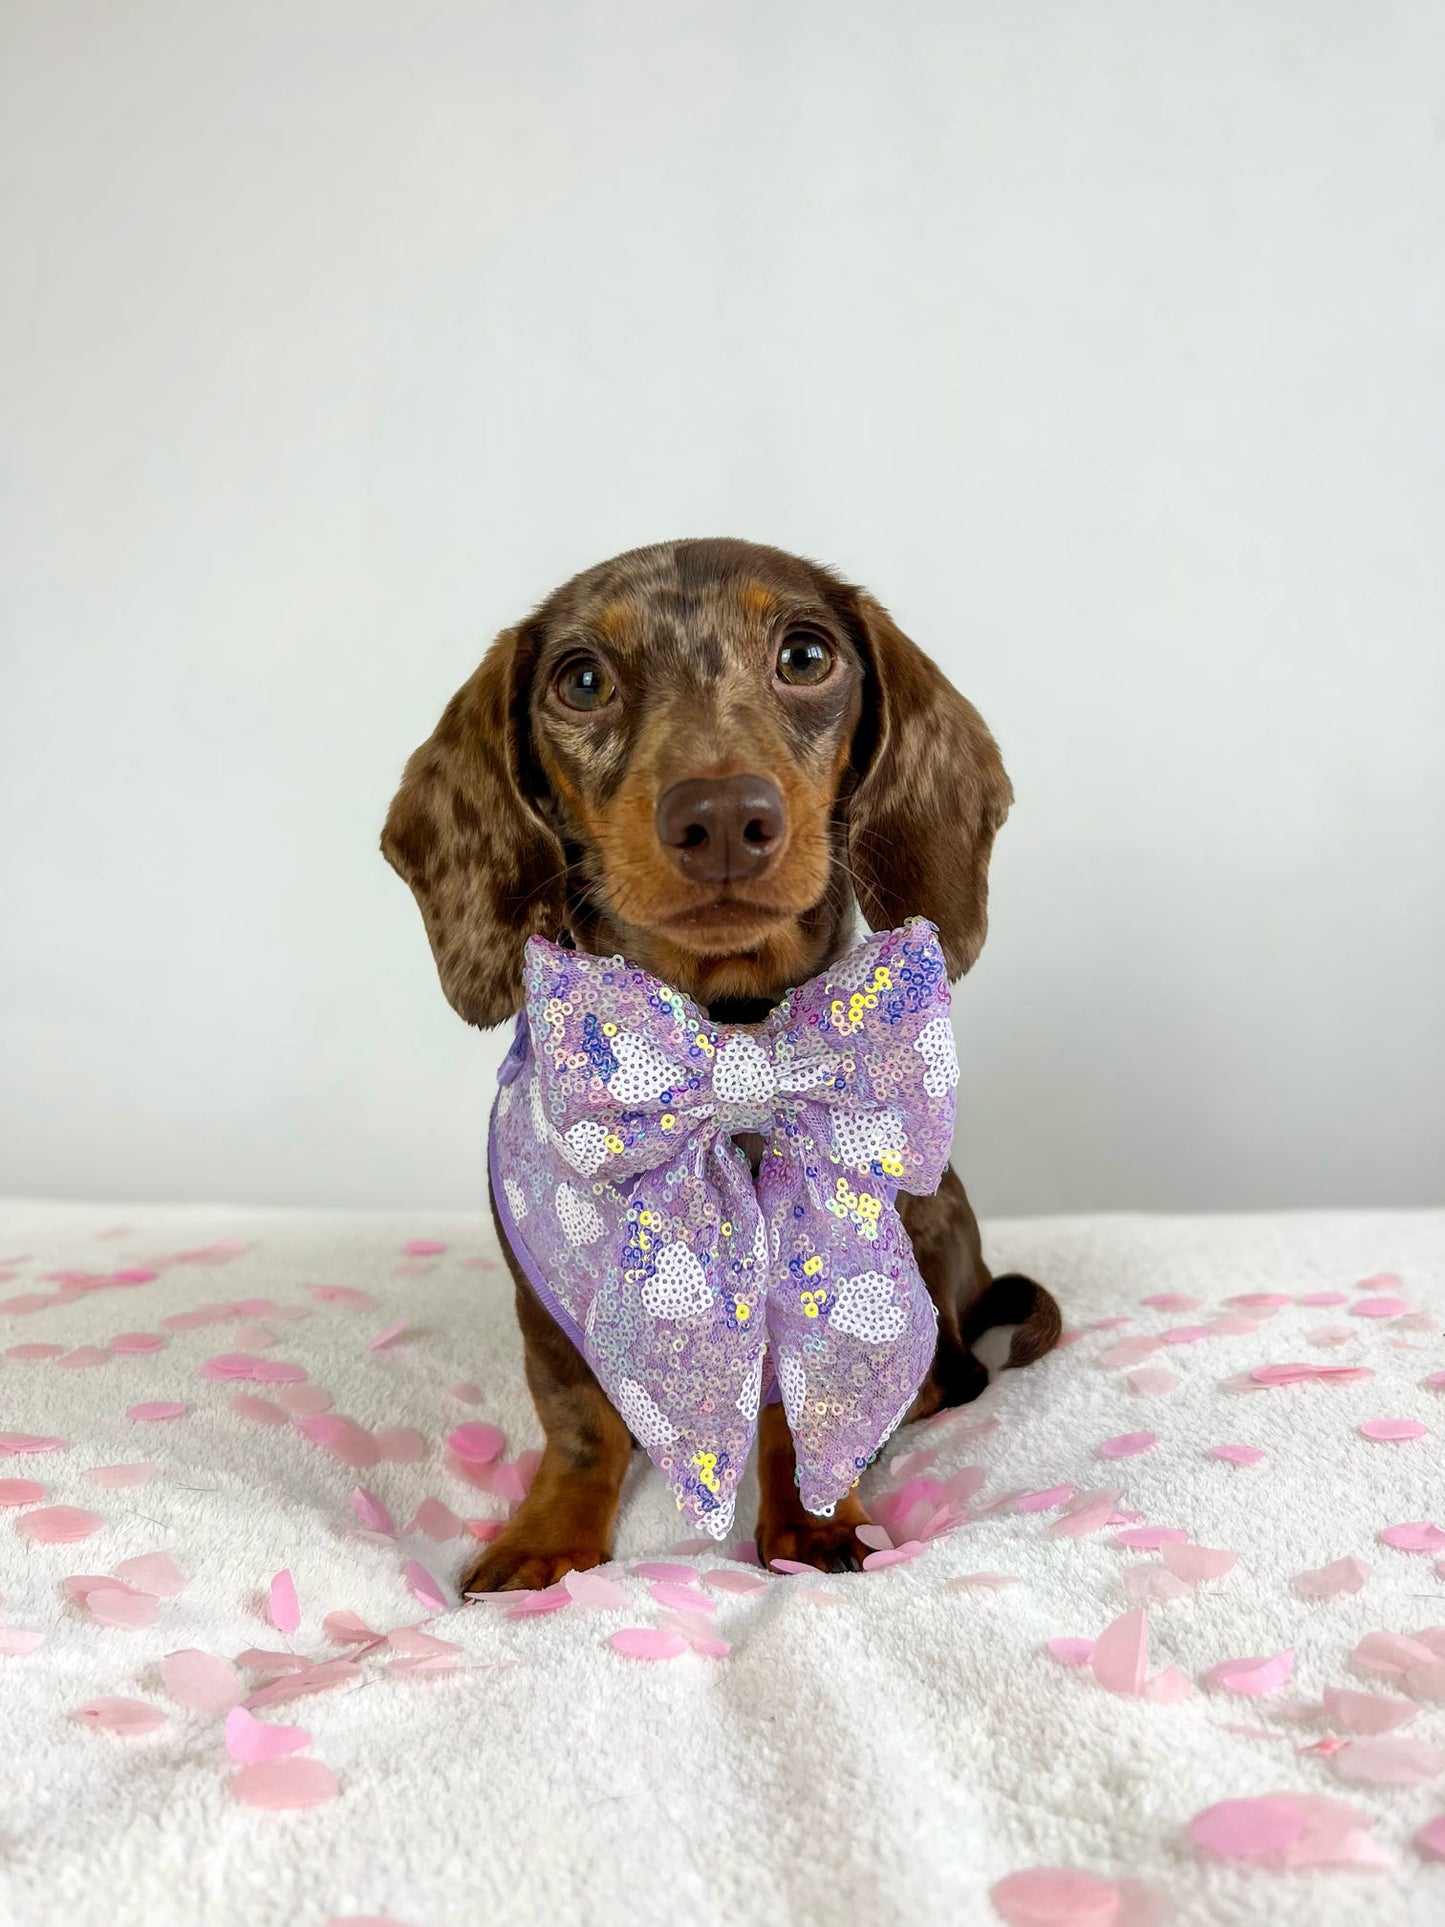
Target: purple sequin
(683,1276)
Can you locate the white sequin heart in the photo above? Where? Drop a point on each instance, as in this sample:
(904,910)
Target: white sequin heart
(865,1308)
(742,1073)
(935,1045)
(678,1287)
(578,1216)
(860,1136)
(646,1420)
(584,1146)
(643,1071)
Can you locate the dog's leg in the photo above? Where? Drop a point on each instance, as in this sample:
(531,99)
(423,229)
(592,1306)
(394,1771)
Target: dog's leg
(785,1530)
(565,1522)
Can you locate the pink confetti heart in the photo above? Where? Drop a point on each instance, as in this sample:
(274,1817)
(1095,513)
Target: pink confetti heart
(648,1642)
(400,1445)
(424,1587)
(113,1715)
(284,1610)
(390,1335)
(423,1248)
(893,1556)
(82,1359)
(201,1681)
(29,1442)
(743,1584)
(249,1739)
(1072,1652)
(1056,1897)
(119,1606)
(476,1443)
(1323,1298)
(1390,1653)
(1186,1334)
(1152,1382)
(436,1521)
(595,1592)
(1128,1445)
(983,1581)
(1261,1828)
(1393,1431)
(1389,1761)
(466,1393)
(371,1512)
(1365,1713)
(1129,1351)
(668,1571)
(284,1783)
(58,1525)
(155,1410)
(1087,1512)
(1198,1563)
(1325,1582)
(531,1605)
(342,1437)
(117,1478)
(20,1491)
(1150,1538)
(1171,1301)
(153,1572)
(1237,1454)
(137,1344)
(1253,1678)
(303,1401)
(874,1537)
(1420,1536)
(1145,1583)
(1378,1307)
(259,1410)
(18,1643)
(1430,1840)
(1428,1680)
(33,1354)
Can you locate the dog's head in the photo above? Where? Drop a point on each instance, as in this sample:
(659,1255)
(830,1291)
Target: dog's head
(697,755)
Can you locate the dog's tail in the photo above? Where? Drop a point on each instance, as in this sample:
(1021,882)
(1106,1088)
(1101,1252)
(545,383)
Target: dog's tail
(1018,1301)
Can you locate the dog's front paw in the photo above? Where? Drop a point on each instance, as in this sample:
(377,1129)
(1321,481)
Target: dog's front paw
(832,1545)
(520,1562)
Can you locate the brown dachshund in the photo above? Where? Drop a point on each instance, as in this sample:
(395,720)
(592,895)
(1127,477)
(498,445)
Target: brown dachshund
(708,757)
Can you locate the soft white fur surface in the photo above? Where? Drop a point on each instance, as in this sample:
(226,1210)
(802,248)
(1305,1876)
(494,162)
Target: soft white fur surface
(882,1762)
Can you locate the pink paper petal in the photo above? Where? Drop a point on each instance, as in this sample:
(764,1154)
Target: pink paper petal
(1186,1334)
(412,1643)
(1056,1897)
(476,1443)
(342,1437)
(20,1491)
(423,1248)
(33,1354)
(648,1642)
(155,1410)
(1237,1454)
(1143,1584)
(1391,1654)
(1389,1761)
(1365,1713)
(58,1525)
(1046,1500)
(112,1715)
(1253,1677)
(1129,1351)
(390,1335)
(17,1642)
(1072,1652)
(153,1572)
(1198,1563)
(1393,1431)
(119,1477)
(119,1606)
(983,1581)
(344,1296)
(1378,1307)
(1171,1301)
(400,1445)
(325,1676)
(201,1681)
(1325,1582)
(1430,1840)
(424,1587)
(1120,1656)
(744,1584)
(669,1571)
(82,1359)
(1427,1681)
(1128,1445)
(258,1659)
(1150,1538)
(1168,1688)
(259,1410)
(1420,1536)
(680,1598)
(371,1512)
(1253,1829)
(137,1344)
(284,1610)
(466,1392)
(1087,1512)
(284,1783)
(530,1605)
(595,1592)
(249,1739)
(1152,1381)
(346,1629)
(1323,1298)
(436,1521)
(792,1566)
(29,1442)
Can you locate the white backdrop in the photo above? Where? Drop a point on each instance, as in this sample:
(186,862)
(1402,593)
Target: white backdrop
(1104,339)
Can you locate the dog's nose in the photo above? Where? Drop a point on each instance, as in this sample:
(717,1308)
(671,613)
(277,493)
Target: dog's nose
(721,829)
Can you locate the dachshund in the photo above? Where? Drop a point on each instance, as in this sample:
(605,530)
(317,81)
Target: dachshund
(709,757)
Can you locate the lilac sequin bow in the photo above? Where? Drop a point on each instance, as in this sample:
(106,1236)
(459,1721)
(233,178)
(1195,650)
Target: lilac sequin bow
(639,1218)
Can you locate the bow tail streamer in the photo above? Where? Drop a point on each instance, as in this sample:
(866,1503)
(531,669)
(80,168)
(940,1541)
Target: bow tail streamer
(678,1329)
(851,1326)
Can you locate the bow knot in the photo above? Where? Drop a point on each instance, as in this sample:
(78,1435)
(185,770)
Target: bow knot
(695,1274)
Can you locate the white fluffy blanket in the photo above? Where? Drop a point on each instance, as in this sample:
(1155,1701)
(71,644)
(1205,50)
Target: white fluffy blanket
(887,1754)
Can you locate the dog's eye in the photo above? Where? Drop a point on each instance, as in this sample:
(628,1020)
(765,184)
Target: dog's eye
(804,659)
(583,683)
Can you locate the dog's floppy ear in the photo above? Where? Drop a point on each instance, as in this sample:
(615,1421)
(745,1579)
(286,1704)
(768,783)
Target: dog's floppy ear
(482,864)
(930,794)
